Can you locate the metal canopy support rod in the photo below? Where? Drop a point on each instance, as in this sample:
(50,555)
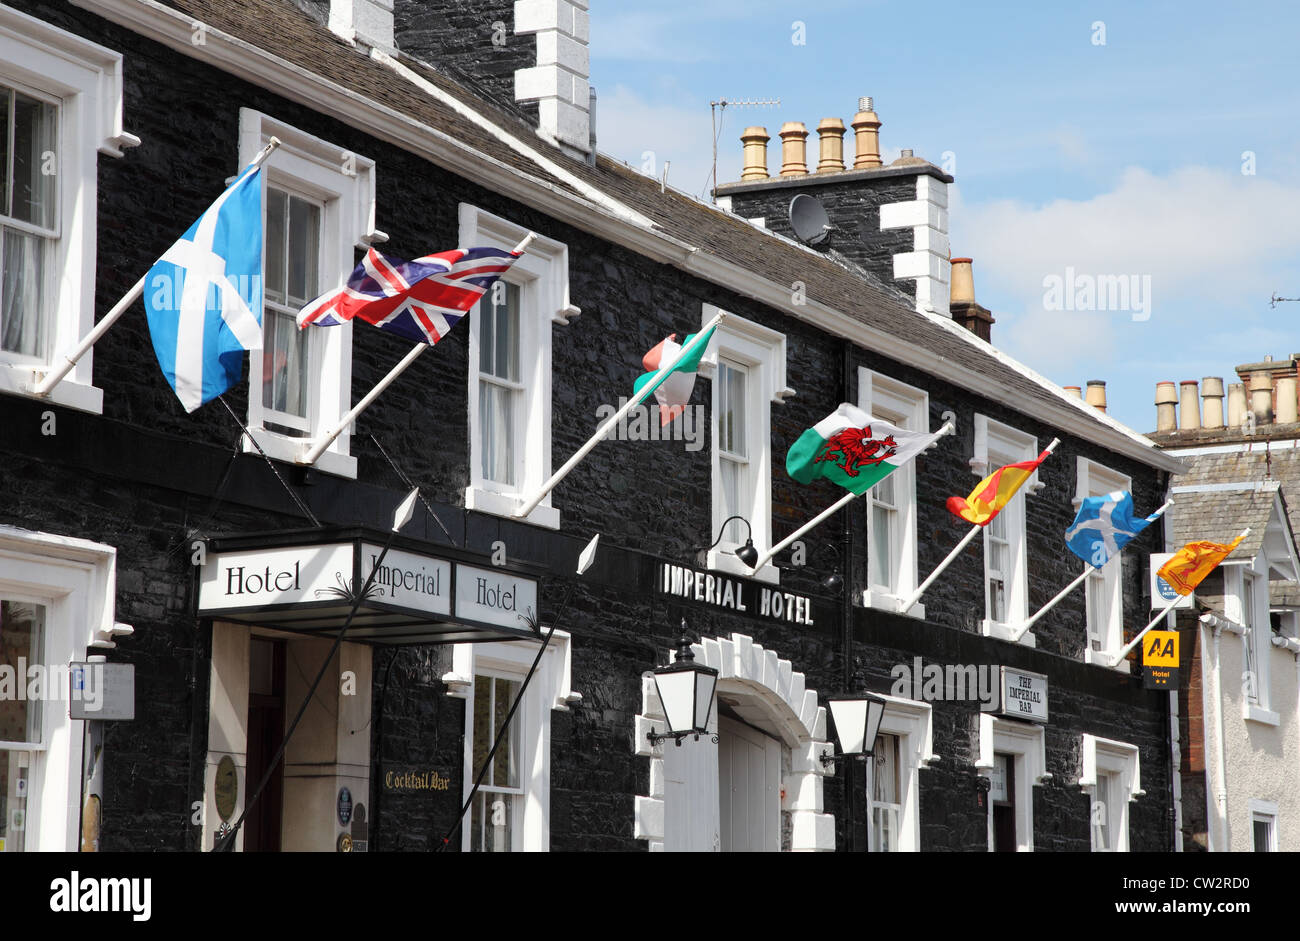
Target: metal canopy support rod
(313,450)
(613,420)
(70,360)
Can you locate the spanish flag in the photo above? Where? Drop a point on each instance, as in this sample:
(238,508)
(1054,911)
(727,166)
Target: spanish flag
(995,491)
(1193,562)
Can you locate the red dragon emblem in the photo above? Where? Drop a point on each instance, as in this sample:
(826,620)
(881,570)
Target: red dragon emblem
(854,447)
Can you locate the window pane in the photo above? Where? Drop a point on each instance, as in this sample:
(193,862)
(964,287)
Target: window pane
(733,477)
(286,368)
(277,210)
(1096,611)
(482,724)
(22,329)
(997,600)
(15,773)
(506,360)
(732,420)
(6,101)
(883,492)
(303,251)
(33,190)
(505,765)
(1263,836)
(491,823)
(496,414)
(880,559)
(22,628)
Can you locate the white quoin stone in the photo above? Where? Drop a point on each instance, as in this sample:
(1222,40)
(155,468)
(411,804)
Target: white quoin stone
(559,81)
(369,22)
(927,263)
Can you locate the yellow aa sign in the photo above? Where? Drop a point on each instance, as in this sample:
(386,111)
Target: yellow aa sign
(1160,649)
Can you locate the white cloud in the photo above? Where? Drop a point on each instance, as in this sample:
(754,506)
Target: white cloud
(1214,244)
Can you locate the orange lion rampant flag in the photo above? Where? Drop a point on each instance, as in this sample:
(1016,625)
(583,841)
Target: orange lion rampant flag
(994,491)
(1193,562)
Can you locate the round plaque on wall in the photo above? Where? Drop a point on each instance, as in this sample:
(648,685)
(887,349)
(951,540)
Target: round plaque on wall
(226,788)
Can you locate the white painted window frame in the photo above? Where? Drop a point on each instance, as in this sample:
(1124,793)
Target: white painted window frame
(1267,812)
(87,79)
(763,352)
(1093,480)
(542,275)
(997,445)
(907,407)
(549,690)
(343,183)
(912,722)
(75,580)
(1256,622)
(1121,759)
(1027,743)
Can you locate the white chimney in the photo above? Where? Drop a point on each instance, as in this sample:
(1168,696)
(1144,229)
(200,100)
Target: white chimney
(368,22)
(559,82)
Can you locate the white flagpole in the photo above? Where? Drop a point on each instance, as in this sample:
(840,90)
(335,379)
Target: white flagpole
(821,517)
(582,452)
(313,450)
(55,376)
(1124,651)
(916,595)
(1075,584)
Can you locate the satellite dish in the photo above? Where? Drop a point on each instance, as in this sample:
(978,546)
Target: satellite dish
(809,220)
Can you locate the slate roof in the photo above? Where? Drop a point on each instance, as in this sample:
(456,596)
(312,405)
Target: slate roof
(1221,515)
(282,29)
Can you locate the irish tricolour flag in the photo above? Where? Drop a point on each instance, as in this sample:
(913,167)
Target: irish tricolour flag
(853,449)
(673,390)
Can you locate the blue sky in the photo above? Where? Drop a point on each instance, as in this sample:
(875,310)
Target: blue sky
(1122,158)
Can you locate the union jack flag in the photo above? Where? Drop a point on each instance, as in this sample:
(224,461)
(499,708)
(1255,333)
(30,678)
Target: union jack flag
(420,300)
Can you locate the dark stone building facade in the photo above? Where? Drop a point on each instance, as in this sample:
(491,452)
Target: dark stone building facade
(160,487)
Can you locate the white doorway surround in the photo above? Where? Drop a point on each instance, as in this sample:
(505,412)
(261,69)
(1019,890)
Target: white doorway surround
(754,783)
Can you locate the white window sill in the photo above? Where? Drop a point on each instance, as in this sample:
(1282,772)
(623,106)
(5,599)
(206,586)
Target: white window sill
(1006,632)
(18,380)
(505,504)
(1101,658)
(290,450)
(724,560)
(884,601)
(1254,713)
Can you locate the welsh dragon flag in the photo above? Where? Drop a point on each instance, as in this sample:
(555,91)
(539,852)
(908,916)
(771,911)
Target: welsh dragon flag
(853,449)
(673,391)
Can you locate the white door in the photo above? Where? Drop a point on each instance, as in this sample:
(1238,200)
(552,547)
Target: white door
(749,785)
(691,796)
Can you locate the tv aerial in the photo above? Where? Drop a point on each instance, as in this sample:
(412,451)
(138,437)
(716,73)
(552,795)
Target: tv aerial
(717,109)
(809,220)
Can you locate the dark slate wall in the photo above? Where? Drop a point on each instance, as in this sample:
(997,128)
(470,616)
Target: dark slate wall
(854,210)
(472,41)
(148,479)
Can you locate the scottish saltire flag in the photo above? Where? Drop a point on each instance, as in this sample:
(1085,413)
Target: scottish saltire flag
(673,391)
(853,449)
(1193,562)
(994,492)
(204,295)
(1103,526)
(420,300)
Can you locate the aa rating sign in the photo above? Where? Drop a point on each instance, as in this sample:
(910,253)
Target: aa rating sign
(1160,660)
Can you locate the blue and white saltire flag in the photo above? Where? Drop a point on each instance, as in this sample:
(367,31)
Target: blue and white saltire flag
(204,295)
(1103,526)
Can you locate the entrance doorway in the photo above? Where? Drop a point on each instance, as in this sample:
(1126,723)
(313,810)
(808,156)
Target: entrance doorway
(749,785)
(262,827)
(1002,800)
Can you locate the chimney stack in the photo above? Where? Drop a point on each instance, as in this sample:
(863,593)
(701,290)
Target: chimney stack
(1166,399)
(1236,404)
(755,140)
(831,133)
(1097,394)
(1286,400)
(1261,395)
(962,306)
(1074,392)
(866,136)
(1189,406)
(1212,393)
(794,138)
